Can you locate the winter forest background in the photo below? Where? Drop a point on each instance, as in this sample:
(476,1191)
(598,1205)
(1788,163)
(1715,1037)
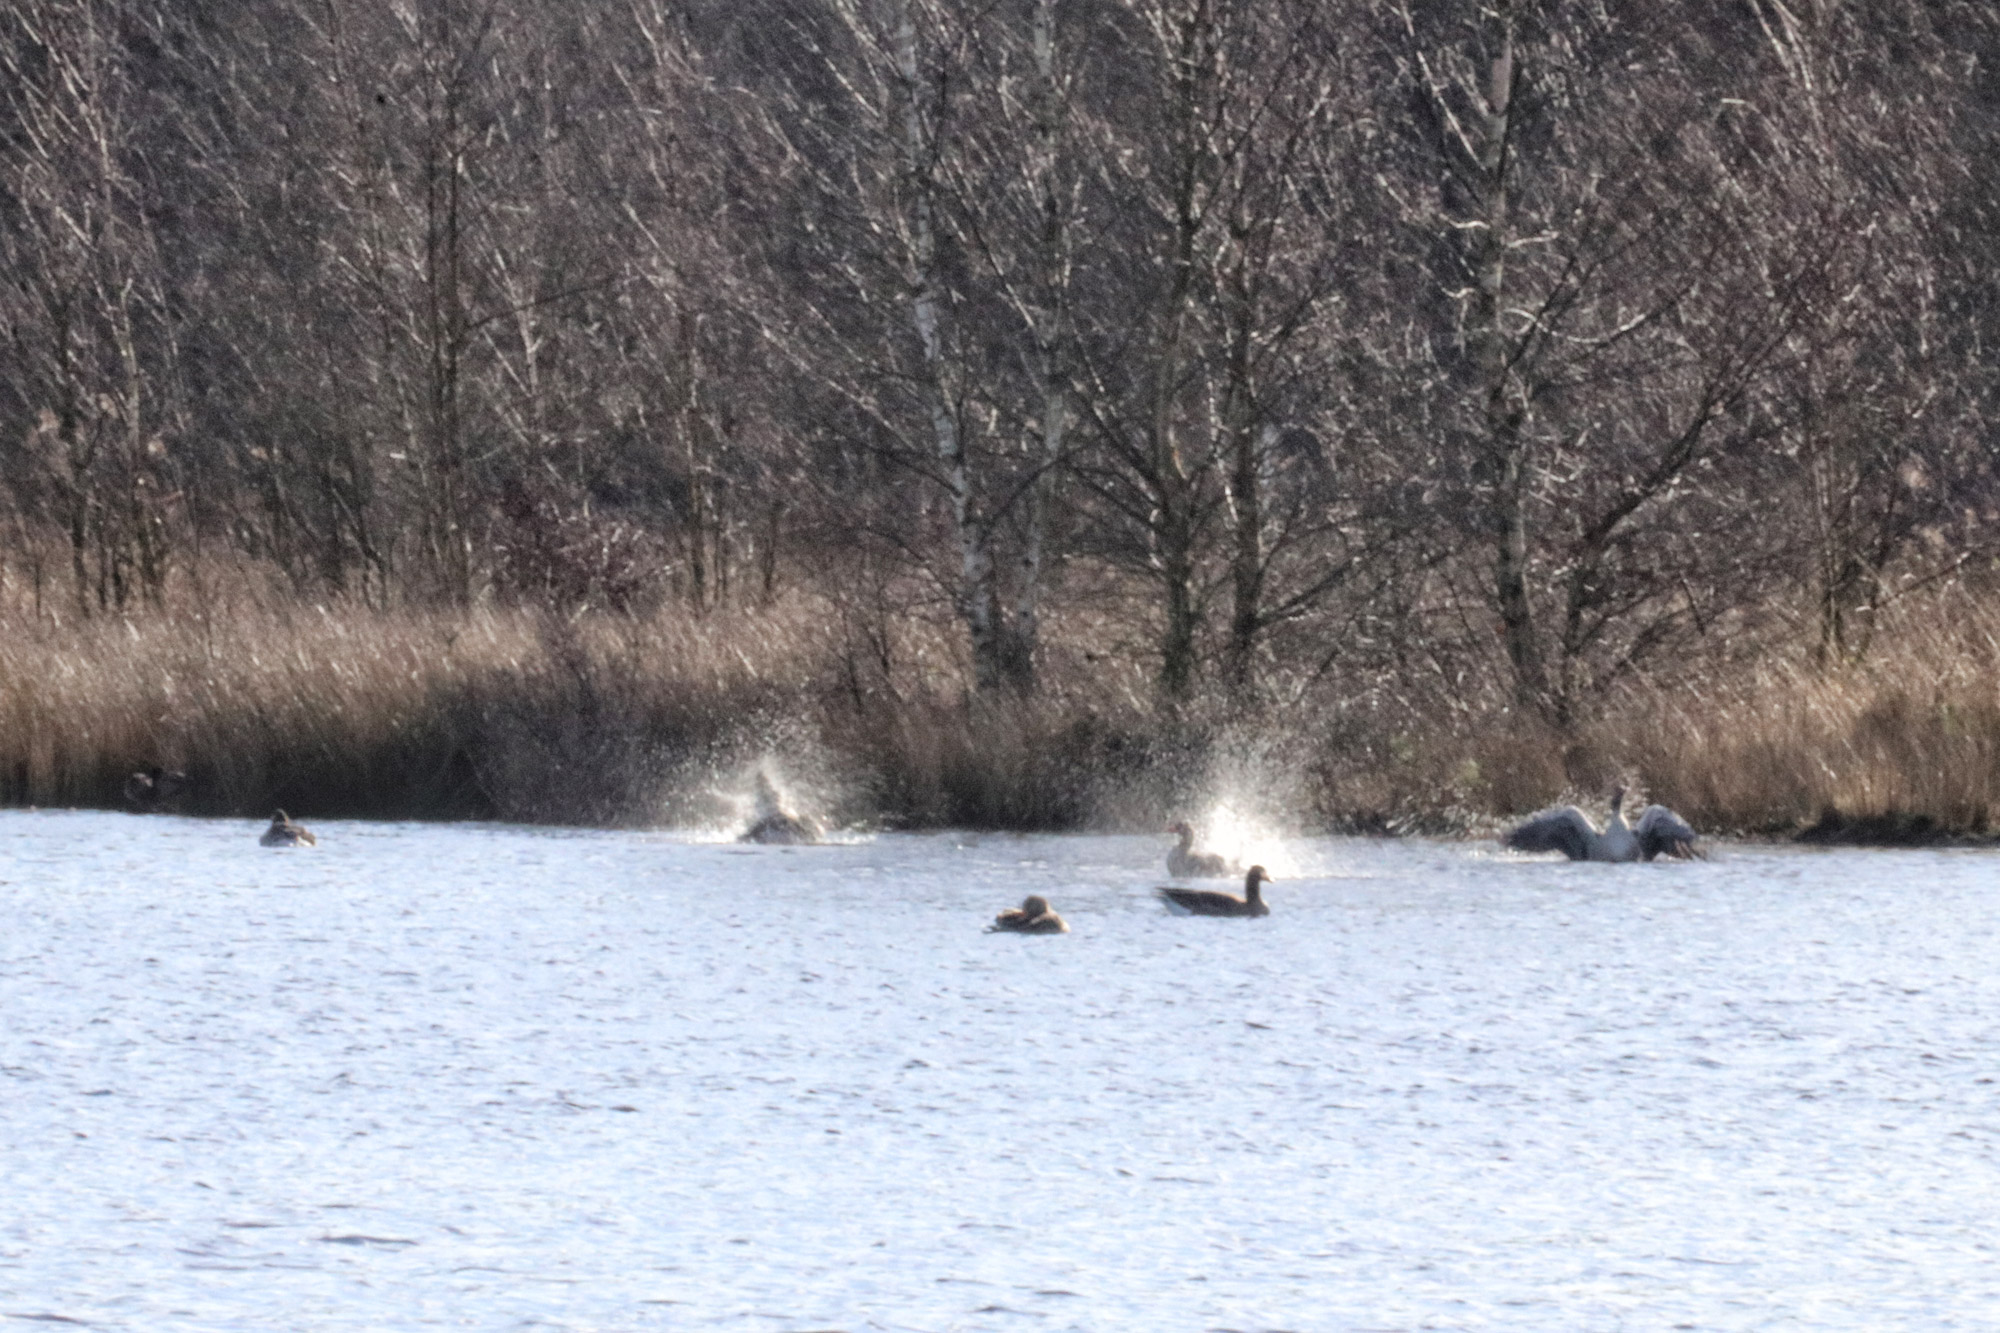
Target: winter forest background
(1027,413)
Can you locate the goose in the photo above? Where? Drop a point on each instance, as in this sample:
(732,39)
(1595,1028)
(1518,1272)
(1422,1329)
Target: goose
(1659,832)
(154,788)
(772,824)
(1032,917)
(1207,902)
(284,833)
(1184,862)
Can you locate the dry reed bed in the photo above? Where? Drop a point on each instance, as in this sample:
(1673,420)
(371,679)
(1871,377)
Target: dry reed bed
(1906,742)
(1908,738)
(1913,732)
(523,716)
(488,712)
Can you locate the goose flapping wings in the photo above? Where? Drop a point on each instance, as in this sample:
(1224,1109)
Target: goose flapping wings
(1659,832)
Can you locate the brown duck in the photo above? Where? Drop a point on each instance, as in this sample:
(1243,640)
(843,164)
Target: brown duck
(1032,917)
(1184,862)
(1207,902)
(284,833)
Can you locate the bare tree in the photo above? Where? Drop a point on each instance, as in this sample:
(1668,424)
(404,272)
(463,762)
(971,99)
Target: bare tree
(688,316)
(1623,284)
(92,352)
(914,277)
(1879,402)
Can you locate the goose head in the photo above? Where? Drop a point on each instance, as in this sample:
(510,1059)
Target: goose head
(1252,881)
(1034,905)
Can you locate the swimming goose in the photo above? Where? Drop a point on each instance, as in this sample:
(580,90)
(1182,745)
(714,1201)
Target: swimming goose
(284,833)
(1032,917)
(1184,862)
(1207,902)
(1659,832)
(772,824)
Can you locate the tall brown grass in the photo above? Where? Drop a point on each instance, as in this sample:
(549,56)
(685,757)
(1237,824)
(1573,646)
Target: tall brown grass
(1912,732)
(340,710)
(336,710)
(345,711)
(1761,740)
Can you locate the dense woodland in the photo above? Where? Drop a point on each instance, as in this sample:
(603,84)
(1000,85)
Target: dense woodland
(1323,355)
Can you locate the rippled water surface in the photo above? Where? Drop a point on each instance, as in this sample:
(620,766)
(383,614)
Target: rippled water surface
(485,1077)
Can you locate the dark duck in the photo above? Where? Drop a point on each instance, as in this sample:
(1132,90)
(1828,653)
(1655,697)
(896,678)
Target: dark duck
(284,833)
(154,789)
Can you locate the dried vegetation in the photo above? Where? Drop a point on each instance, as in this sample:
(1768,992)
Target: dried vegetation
(515,714)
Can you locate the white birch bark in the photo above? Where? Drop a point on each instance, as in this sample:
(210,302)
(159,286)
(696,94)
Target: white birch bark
(976,593)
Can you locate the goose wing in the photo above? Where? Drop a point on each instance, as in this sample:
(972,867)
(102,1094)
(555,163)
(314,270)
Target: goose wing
(1564,830)
(1663,833)
(1198,902)
(1206,865)
(1208,902)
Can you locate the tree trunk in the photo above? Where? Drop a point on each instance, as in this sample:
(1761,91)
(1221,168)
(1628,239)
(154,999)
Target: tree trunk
(1050,330)
(977,596)
(1504,409)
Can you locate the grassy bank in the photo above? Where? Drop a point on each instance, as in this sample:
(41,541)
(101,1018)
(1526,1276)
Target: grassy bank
(495,713)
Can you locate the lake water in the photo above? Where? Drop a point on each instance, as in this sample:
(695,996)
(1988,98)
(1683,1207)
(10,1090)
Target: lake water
(504,1078)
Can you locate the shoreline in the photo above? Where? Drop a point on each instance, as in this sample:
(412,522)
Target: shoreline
(1889,831)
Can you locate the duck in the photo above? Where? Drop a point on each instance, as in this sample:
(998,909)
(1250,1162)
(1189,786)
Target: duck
(284,833)
(1208,902)
(1184,862)
(772,824)
(1033,917)
(1659,832)
(155,788)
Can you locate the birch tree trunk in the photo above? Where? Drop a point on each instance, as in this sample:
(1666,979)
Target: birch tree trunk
(920,114)
(1505,401)
(1048,322)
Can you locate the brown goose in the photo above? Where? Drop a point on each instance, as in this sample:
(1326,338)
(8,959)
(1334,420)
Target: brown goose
(1032,917)
(284,833)
(1207,902)
(1184,862)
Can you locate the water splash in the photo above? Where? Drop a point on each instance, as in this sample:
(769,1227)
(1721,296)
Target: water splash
(1245,839)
